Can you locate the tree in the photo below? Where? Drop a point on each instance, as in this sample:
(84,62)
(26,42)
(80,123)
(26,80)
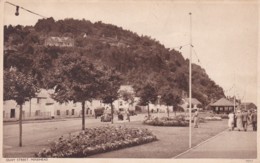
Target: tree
(77,80)
(127,96)
(148,94)
(19,87)
(171,98)
(167,98)
(176,102)
(111,85)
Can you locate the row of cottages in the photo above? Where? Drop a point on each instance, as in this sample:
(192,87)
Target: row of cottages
(59,41)
(43,106)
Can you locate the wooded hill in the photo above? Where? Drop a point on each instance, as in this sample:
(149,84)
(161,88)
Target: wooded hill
(139,59)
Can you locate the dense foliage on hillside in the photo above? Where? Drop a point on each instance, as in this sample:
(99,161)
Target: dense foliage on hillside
(139,59)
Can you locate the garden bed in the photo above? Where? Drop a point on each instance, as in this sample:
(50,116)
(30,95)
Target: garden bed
(213,118)
(167,121)
(97,140)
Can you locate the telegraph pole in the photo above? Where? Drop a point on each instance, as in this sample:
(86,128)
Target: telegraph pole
(190,79)
(235,93)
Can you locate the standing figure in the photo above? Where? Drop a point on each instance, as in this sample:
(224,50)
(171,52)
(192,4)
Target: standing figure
(231,121)
(239,120)
(245,116)
(196,118)
(128,115)
(235,120)
(254,120)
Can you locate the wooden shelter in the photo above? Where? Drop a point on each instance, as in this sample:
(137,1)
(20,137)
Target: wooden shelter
(223,106)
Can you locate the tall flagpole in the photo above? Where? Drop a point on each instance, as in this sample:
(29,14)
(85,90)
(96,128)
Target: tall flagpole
(190,80)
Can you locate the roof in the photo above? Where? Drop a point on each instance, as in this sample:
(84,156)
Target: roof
(222,102)
(43,93)
(61,41)
(193,101)
(248,104)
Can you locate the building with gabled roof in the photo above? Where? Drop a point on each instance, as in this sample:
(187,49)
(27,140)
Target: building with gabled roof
(59,41)
(248,106)
(223,105)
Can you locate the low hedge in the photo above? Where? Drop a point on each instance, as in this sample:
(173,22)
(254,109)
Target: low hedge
(96,140)
(167,121)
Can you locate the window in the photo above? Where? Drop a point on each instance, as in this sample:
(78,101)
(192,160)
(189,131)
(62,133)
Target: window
(120,103)
(226,108)
(67,112)
(58,112)
(37,112)
(72,111)
(38,100)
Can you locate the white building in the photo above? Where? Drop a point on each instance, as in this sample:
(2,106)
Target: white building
(43,107)
(194,104)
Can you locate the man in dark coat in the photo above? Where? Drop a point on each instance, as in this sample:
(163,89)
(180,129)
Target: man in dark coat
(254,120)
(244,119)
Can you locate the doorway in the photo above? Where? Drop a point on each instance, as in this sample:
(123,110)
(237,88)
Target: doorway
(12,115)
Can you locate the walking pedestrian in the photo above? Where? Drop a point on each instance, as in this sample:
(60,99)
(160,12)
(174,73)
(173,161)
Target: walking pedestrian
(196,118)
(239,120)
(254,120)
(231,121)
(245,117)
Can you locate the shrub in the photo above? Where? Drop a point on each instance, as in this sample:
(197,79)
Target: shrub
(97,140)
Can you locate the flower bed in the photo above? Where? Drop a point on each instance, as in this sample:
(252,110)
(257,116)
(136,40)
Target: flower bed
(223,116)
(201,119)
(213,118)
(167,121)
(97,140)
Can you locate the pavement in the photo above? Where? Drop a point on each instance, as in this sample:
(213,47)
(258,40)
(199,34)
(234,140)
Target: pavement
(226,145)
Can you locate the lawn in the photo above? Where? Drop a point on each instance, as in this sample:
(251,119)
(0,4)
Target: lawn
(171,140)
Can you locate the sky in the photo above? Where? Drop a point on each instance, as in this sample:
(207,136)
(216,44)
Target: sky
(224,34)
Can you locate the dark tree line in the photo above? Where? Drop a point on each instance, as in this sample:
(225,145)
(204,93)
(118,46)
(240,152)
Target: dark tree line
(140,59)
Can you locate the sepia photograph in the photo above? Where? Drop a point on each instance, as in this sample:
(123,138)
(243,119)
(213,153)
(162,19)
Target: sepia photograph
(164,80)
